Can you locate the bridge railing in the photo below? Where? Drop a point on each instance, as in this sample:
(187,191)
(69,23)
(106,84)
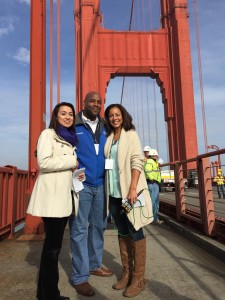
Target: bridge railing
(195,201)
(13,188)
(203,210)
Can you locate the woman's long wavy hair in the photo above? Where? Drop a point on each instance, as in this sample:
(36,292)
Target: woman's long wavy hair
(127,119)
(54,119)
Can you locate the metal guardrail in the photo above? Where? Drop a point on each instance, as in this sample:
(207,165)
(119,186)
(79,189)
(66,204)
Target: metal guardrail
(201,210)
(13,188)
(200,213)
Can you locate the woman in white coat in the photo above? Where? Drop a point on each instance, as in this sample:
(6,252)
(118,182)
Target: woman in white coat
(51,198)
(125,179)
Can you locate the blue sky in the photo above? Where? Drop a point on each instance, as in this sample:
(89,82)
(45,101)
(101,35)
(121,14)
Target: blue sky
(14,71)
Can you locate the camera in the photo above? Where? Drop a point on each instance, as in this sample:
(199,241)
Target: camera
(127,207)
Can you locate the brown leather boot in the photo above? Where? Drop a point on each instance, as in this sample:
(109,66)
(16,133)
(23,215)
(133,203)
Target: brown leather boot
(126,254)
(138,281)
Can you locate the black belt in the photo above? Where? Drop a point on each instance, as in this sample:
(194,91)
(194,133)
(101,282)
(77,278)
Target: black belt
(152,181)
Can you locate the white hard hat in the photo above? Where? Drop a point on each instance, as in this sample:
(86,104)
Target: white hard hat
(146,148)
(153,152)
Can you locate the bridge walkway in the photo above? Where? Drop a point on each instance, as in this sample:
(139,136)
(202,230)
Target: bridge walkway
(177,268)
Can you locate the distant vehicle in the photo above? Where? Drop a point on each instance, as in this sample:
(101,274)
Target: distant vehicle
(167,181)
(193,179)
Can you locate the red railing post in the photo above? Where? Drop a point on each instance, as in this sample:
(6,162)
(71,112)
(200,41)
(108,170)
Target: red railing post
(179,188)
(206,195)
(12,197)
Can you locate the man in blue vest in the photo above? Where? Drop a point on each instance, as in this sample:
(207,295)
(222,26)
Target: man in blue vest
(87,228)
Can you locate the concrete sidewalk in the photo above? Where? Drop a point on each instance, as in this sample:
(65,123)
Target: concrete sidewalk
(176,268)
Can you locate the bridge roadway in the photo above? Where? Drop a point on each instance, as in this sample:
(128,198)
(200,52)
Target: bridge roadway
(191,197)
(176,267)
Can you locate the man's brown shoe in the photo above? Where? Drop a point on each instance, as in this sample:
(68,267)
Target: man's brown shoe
(102,272)
(84,289)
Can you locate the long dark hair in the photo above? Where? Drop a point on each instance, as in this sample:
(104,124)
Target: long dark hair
(127,119)
(54,119)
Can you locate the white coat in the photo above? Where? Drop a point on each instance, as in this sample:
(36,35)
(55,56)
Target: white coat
(51,195)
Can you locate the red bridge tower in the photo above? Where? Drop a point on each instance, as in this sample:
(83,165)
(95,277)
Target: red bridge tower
(102,54)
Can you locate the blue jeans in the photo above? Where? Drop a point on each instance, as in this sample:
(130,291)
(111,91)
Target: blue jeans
(87,233)
(220,190)
(154,192)
(123,224)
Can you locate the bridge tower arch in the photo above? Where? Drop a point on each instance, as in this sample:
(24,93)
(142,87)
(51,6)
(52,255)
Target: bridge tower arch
(163,54)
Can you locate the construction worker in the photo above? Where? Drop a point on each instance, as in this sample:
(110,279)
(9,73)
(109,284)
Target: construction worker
(153,177)
(146,152)
(219,180)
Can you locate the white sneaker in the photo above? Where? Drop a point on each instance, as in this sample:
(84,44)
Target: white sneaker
(159,222)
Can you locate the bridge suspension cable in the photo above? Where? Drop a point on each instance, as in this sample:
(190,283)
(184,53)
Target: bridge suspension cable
(130,25)
(200,76)
(51,56)
(137,16)
(149,128)
(156,121)
(58,52)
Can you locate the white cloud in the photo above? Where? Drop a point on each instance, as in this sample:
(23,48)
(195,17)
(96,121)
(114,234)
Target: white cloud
(6,25)
(22,55)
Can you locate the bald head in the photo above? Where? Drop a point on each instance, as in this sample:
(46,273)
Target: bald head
(90,95)
(92,105)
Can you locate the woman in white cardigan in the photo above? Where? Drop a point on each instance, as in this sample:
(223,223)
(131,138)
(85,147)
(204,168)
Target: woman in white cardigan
(51,198)
(125,179)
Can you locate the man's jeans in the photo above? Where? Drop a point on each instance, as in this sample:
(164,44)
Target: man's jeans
(87,233)
(220,190)
(154,192)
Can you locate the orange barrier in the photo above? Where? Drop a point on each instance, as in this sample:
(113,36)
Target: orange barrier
(13,188)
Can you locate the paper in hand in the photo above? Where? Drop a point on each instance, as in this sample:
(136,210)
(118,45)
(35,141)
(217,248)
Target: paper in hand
(160,161)
(77,184)
(140,201)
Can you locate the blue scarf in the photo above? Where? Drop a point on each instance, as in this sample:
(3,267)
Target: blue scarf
(66,134)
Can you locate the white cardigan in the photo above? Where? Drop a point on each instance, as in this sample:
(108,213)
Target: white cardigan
(51,195)
(130,157)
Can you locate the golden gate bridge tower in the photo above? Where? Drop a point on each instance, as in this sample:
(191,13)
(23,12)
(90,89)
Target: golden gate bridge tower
(102,54)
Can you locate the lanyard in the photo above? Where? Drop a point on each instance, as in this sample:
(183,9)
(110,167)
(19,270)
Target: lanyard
(96,135)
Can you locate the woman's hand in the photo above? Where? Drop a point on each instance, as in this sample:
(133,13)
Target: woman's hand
(132,196)
(81,176)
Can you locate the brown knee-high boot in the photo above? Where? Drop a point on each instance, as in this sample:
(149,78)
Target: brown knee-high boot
(126,254)
(138,281)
